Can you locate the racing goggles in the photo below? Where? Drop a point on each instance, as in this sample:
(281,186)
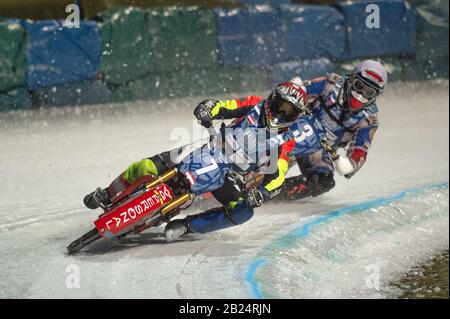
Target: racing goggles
(364,89)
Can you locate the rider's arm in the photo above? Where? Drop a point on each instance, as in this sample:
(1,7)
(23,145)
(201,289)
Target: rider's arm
(361,143)
(317,87)
(272,183)
(231,109)
(209,110)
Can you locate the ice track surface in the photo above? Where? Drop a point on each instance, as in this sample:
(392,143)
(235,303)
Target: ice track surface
(49,159)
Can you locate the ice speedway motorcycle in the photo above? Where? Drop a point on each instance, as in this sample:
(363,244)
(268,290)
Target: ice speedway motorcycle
(154,200)
(149,202)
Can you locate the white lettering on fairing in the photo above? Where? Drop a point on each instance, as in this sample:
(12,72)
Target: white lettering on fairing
(155,199)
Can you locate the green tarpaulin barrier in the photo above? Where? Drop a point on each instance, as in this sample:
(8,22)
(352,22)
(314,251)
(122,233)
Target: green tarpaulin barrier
(13,45)
(222,81)
(172,85)
(190,83)
(136,43)
(18,99)
(126,51)
(254,80)
(151,87)
(182,38)
(205,82)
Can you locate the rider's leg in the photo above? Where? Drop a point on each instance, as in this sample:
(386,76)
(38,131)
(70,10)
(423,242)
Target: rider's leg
(234,212)
(154,165)
(317,177)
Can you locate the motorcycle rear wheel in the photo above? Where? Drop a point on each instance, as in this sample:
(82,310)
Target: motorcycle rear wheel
(83,241)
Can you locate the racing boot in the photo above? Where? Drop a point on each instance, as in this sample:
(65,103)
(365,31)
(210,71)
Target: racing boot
(209,221)
(96,199)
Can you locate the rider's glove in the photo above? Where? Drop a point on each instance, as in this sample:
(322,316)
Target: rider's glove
(254,198)
(203,112)
(345,166)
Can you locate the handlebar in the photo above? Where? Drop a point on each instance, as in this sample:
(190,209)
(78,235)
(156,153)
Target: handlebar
(329,149)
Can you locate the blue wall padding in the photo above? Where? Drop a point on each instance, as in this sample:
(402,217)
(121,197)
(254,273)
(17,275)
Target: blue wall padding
(396,35)
(249,37)
(311,32)
(59,55)
(306,69)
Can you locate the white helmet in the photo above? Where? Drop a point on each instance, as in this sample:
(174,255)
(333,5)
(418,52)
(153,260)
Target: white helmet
(366,82)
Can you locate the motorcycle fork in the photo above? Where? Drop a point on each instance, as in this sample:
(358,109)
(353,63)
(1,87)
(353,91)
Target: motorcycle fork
(179,200)
(162,178)
(172,208)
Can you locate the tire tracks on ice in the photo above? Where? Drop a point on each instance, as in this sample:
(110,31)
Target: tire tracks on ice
(25,221)
(183,271)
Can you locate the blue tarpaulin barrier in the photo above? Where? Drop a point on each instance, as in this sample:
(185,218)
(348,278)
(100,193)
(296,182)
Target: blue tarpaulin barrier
(305,69)
(59,55)
(260,36)
(249,37)
(396,34)
(311,32)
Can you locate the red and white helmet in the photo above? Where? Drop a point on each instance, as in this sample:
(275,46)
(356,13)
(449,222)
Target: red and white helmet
(285,105)
(366,82)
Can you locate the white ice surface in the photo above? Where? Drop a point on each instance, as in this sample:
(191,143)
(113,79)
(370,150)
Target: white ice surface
(50,159)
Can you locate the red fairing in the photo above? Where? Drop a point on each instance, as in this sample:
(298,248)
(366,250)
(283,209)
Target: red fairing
(134,212)
(249,101)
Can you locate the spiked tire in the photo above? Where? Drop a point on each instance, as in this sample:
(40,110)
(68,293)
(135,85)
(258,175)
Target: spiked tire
(83,241)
